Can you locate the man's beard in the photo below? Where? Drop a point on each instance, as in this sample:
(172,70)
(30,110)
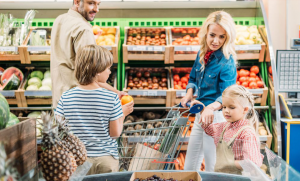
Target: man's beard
(85,14)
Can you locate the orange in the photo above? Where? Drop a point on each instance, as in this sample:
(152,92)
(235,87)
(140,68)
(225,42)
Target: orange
(126,99)
(96,29)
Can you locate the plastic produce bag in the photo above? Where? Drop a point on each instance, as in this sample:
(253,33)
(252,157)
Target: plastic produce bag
(81,171)
(279,169)
(253,171)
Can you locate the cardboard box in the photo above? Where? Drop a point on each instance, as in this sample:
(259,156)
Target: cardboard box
(184,176)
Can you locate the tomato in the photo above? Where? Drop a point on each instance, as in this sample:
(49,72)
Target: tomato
(247,72)
(184,79)
(257,78)
(252,74)
(177,87)
(242,73)
(254,69)
(187,76)
(252,85)
(252,79)
(179,83)
(176,77)
(260,84)
(245,84)
(270,70)
(247,79)
(238,83)
(243,79)
(175,83)
(156,146)
(184,85)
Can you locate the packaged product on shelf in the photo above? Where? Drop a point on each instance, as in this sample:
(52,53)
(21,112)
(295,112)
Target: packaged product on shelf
(40,41)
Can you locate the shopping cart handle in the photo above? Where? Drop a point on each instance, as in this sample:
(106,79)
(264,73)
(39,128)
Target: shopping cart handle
(195,108)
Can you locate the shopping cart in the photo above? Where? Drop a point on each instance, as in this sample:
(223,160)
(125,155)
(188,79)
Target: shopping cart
(155,144)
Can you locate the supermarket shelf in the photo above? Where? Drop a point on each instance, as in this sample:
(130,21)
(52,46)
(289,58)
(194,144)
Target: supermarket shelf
(131,4)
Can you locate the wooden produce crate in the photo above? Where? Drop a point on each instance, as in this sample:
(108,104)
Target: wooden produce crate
(266,138)
(112,48)
(264,36)
(34,97)
(142,51)
(15,53)
(20,145)
(251,52)
(149,95)
(13,97)
(184,43)
(260,94)
(272,92)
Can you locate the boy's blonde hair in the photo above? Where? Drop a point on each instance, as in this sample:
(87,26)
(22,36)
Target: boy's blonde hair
(225,20)
(246,99)
(90,60)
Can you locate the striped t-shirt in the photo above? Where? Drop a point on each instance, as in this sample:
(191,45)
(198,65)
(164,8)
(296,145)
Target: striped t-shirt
(89,113)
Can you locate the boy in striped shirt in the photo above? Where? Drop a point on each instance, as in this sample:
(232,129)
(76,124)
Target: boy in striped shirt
(95,114)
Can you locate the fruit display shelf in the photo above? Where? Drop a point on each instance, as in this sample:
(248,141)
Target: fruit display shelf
(112,48)
(15,53)
(260,93)
(148,85)
(146,44)
(184,43)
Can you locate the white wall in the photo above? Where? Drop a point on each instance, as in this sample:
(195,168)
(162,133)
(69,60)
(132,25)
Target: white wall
(293,19)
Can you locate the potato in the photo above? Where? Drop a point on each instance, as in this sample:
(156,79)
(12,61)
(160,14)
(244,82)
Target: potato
(128,121)
(138,127)
(150,116)
(139,120)
(149,126)
(260,124)
(129,117)
(263,132)
(130,129)
(158,124)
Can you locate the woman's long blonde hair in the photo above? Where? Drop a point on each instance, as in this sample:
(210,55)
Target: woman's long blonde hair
(225,20)
(246,99)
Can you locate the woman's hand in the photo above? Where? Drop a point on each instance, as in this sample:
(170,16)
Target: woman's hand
(188,97)
(127,108)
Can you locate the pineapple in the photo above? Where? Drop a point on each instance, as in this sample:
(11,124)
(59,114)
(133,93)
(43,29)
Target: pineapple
(7,172)
(71,142)
(58,164)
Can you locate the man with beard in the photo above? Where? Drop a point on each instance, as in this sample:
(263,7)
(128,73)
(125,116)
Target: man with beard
(71,31)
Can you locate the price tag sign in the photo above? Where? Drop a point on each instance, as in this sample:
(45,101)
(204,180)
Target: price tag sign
(145,93)
(241,47)
(152,93)
(150,49)
(183,94)
(39,48)
(139,48)
(8,49)
(188,48)
(158,48)
(195,48)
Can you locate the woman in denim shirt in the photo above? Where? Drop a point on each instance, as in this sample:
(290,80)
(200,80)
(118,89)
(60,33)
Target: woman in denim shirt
(213,71)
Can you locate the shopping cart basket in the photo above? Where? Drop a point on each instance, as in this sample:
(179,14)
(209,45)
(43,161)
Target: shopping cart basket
(154,144)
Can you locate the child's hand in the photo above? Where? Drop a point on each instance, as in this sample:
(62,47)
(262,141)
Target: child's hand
(207,116)
(127,108)
(121,94)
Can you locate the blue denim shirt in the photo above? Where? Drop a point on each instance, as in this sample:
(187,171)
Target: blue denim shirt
(219,73)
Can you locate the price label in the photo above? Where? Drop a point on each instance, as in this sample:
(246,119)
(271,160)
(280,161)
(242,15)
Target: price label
(158,48)
(139,48)
(8,49)
(150,48)
(195,48)
(188,48)
(145,93)
(39,48)
(152,93)
(242,47)
(183,94)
